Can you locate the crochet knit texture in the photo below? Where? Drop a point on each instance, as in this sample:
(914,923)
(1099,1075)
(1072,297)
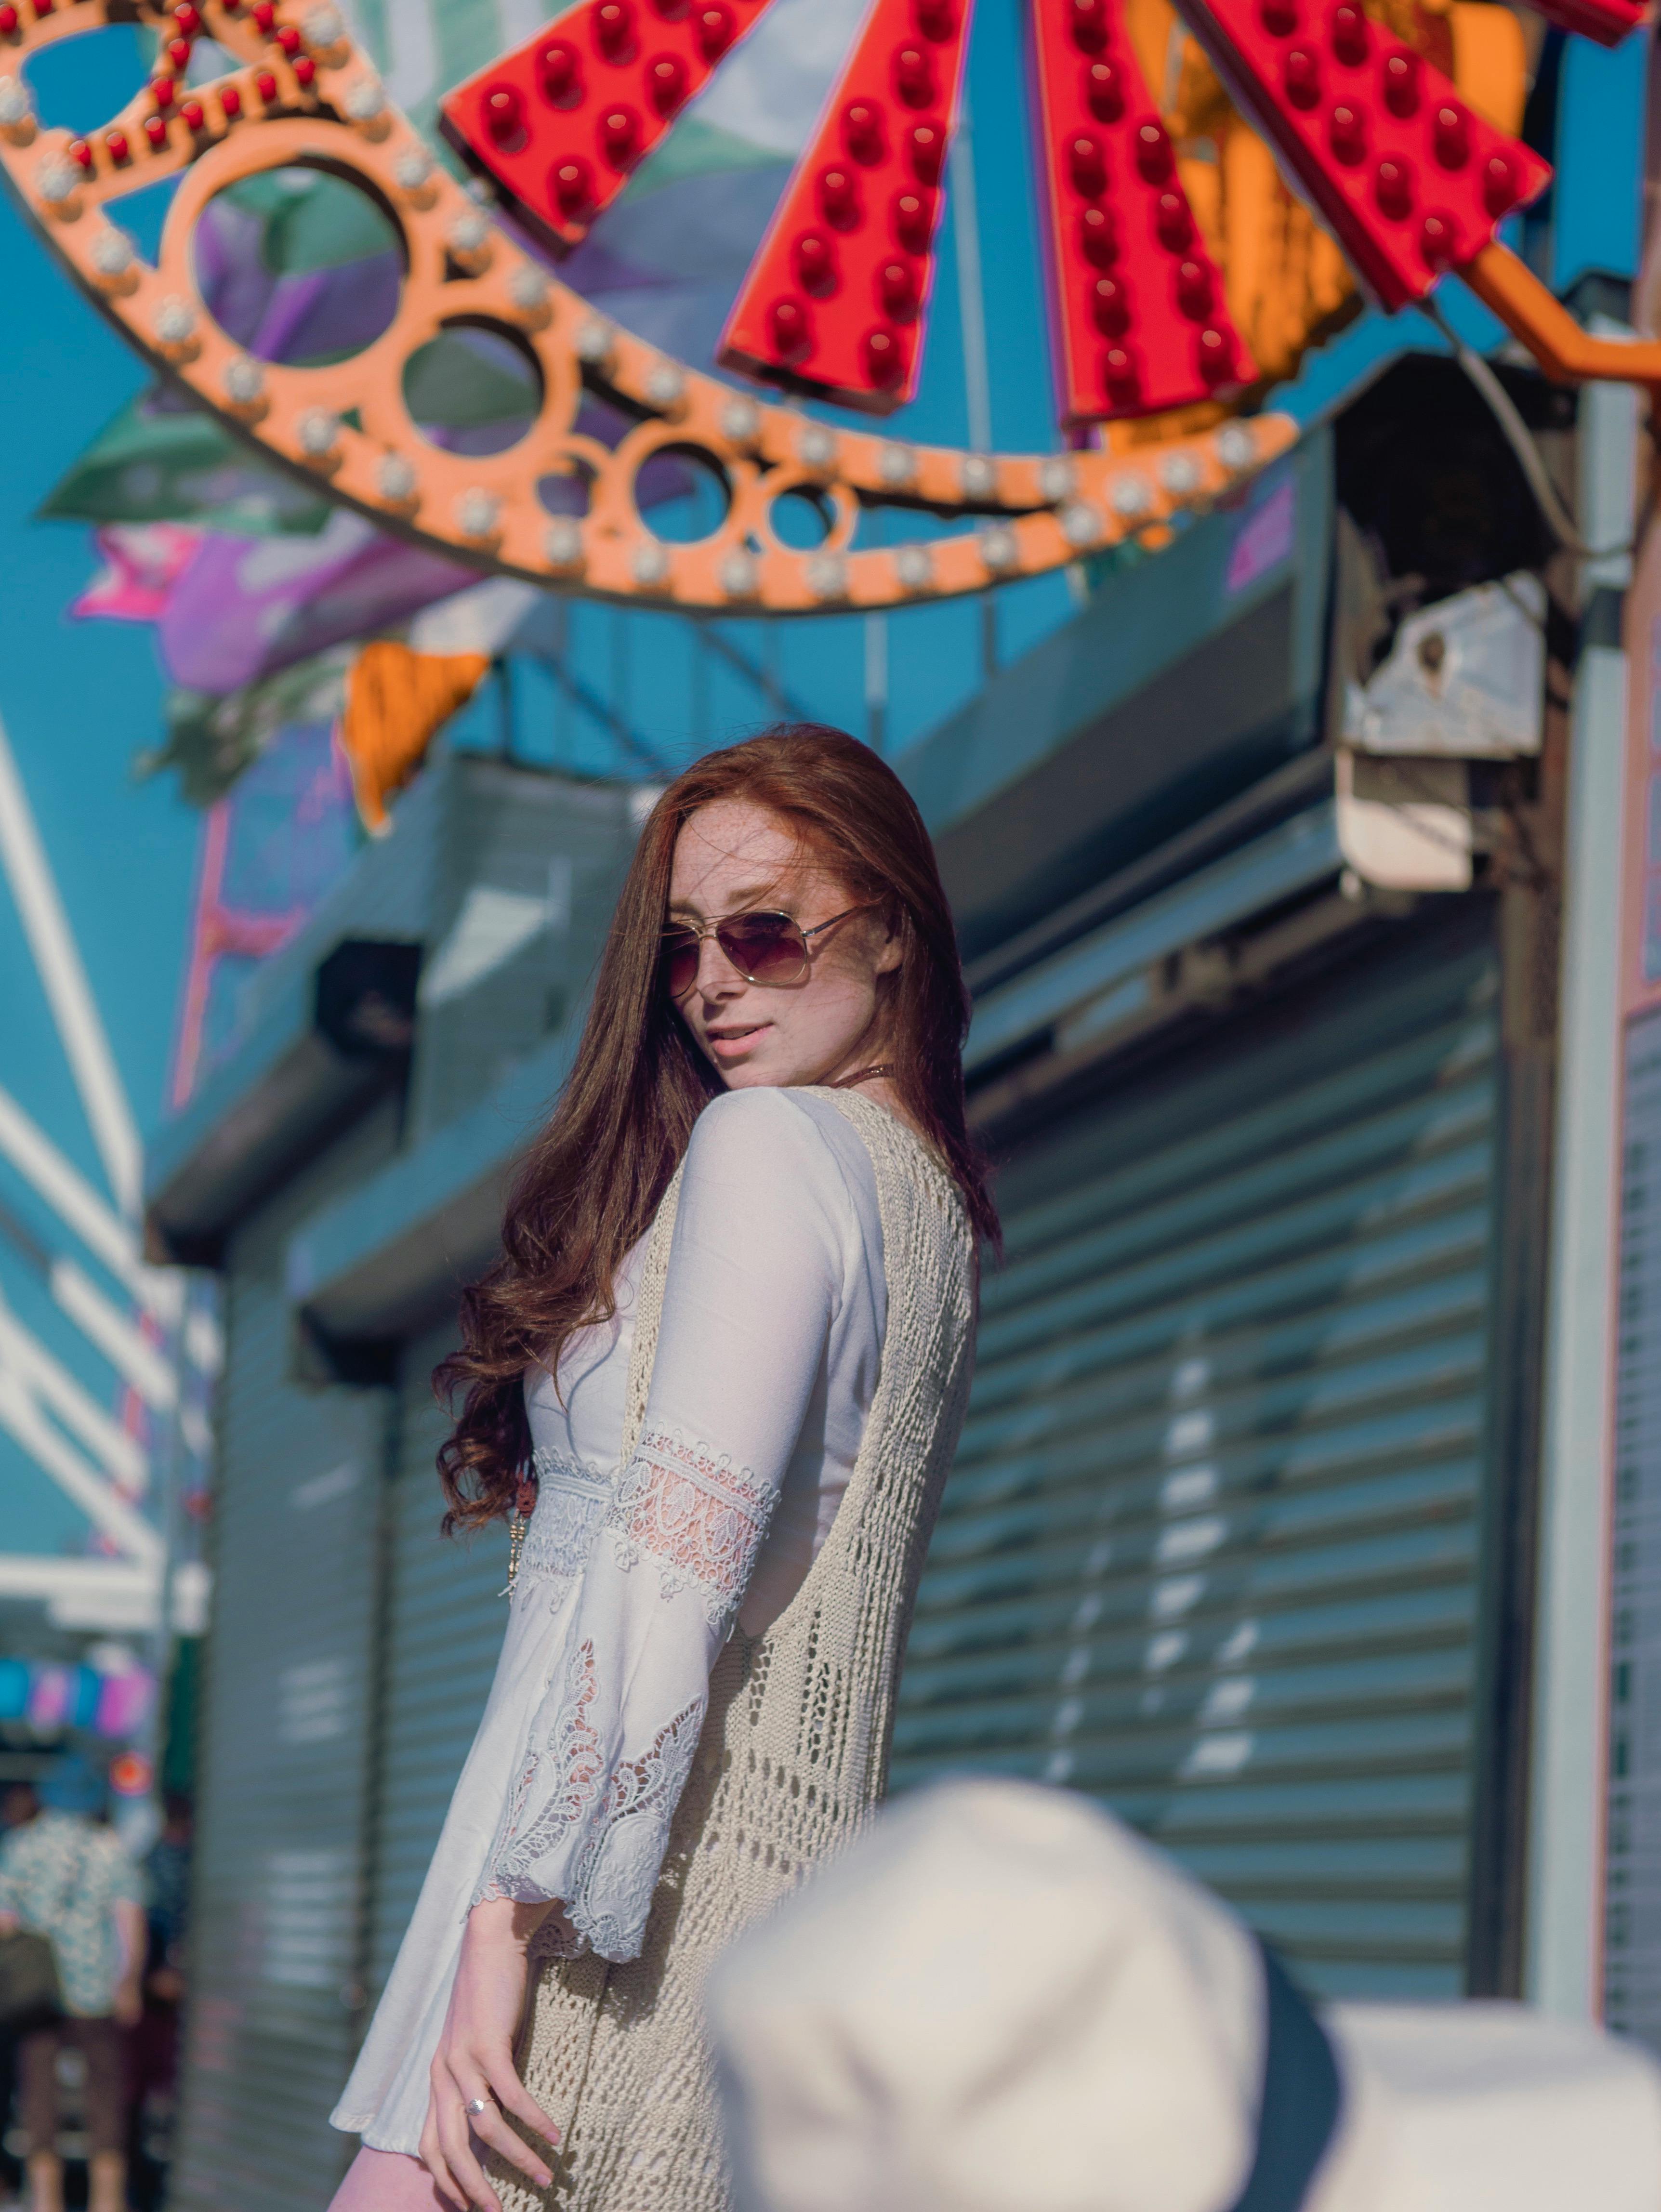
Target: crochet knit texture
(793,1752)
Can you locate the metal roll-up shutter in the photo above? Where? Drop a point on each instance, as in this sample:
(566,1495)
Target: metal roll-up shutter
(276,1915)
(1632,1952)
(444,1623)
(1209,1548)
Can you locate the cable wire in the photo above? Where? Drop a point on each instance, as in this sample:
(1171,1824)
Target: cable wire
(1517,436)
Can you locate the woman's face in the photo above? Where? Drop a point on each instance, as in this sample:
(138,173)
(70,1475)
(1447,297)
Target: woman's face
(733,857)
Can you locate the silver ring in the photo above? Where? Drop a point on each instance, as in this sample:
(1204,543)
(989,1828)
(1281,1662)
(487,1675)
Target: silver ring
(481,2104)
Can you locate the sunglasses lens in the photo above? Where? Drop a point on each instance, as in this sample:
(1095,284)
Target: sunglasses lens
(680,961)
(768,948)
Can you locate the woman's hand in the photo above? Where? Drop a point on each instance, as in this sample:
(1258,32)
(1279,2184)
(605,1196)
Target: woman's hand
(474,2059)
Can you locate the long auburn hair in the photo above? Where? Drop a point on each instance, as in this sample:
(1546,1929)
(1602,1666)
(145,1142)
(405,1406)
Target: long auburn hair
(586,1188)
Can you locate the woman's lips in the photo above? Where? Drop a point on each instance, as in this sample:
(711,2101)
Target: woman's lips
(735,1043)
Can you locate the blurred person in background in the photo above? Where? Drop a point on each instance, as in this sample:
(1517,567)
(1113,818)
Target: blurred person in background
(18,1803)
(153,2050)
(167,1879)
(66,1876)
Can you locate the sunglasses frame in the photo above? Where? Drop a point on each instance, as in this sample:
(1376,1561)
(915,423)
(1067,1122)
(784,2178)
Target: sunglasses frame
(699,932)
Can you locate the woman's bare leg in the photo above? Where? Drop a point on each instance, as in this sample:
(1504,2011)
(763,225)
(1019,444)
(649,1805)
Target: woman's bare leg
(386,2181)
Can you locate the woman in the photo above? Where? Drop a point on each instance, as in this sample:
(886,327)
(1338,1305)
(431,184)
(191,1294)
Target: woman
(730,1333)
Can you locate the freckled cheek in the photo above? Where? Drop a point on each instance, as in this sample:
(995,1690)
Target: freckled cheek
(834,1003)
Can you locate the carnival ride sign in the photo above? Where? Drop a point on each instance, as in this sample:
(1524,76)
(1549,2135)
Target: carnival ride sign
(1411,179)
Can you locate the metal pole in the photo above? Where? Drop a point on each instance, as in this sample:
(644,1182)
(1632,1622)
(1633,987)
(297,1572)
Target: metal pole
(562,655)
(971,315)
(620,666)
(1568,1781)
(876,682)
(504,707)
(700,715)
(971,302)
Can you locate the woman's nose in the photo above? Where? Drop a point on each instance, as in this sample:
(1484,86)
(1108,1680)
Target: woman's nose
(715,971)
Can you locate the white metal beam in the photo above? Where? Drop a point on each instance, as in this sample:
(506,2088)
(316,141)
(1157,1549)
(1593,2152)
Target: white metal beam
(96,1497)
(75,1010)
(104,1325)
(117,1450)
(81,1209)
(66,1190)
(110,1594)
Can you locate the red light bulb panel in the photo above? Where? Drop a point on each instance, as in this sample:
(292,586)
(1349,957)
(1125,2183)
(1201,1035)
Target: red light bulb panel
(834,301)
(560,122)
(1411,181)
(1138,316)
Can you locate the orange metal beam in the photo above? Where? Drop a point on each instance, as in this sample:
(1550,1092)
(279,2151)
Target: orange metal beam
(1566,352)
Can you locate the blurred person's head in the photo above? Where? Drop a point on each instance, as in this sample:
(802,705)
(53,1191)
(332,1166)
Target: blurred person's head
(19,1806)
(74,1785)
(1001,2000)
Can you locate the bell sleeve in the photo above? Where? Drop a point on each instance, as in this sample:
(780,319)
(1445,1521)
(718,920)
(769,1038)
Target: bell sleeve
(756,1271)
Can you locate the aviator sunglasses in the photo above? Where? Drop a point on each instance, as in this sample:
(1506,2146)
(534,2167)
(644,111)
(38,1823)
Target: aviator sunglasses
(764,947)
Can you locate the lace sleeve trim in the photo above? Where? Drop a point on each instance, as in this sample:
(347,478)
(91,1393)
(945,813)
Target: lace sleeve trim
(611,1898)
(571,1501)
(698,1518)
(559,1781)
(563,1785)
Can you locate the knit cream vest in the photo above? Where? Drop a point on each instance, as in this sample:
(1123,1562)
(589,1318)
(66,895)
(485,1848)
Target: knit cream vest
(795,1752)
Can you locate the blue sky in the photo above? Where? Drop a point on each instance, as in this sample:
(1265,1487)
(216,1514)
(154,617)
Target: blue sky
(79,701)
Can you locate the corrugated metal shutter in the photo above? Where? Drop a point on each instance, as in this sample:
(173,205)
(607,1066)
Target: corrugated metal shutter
(1633,1943)
(276,1922)
(444,1624)
(1209,1548)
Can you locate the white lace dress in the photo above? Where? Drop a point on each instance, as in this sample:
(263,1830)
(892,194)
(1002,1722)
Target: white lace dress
(631,1580)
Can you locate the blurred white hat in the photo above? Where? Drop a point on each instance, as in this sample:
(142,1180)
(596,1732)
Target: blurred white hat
(1001,2000)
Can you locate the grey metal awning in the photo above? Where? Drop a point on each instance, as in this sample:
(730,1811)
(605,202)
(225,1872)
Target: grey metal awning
(381,1258)
(1294,857)
(327,1041)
